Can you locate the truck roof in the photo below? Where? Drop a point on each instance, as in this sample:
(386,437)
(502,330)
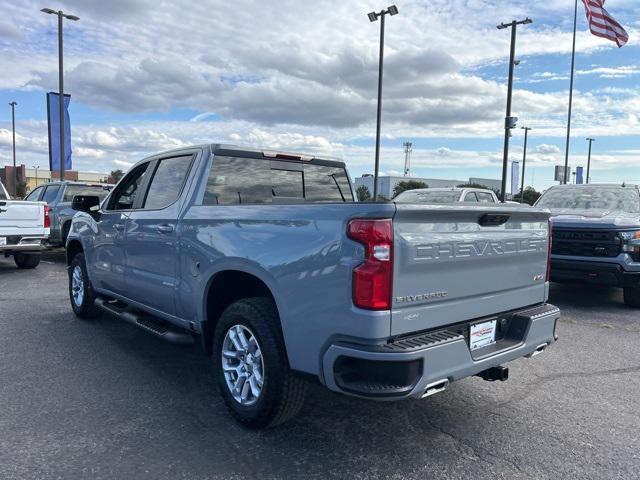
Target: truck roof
(609,185)
(262,153)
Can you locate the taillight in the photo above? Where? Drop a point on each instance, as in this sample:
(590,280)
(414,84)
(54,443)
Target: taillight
(372,279)
(47,217)
(549,245)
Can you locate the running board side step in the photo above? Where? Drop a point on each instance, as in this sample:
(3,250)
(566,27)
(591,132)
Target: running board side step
(146,322)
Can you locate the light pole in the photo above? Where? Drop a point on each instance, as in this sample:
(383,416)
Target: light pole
(13,127)
(36,169)
(509,122)
(524,161)
(60,15)
(373,16)
(590,140)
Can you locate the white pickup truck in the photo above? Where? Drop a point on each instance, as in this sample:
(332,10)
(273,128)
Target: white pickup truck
(24,229)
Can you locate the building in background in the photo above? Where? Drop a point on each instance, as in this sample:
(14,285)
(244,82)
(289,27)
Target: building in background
(387,184)
(33,177)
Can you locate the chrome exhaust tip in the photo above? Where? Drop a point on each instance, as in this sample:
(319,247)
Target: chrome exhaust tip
(539,349)
(435,387)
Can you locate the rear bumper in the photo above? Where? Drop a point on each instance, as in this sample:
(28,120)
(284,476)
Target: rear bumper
(602,273)
(24,244)
(413,367)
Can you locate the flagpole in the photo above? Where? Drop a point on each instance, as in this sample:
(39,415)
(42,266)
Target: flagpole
(573,64)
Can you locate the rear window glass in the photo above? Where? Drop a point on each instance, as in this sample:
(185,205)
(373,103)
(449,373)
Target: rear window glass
(621,199)
(429,197)
(87,190)
(287,183)
(249,180)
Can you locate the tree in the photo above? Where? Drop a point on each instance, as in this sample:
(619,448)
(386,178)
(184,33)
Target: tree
(473,185)
(21,190)
(115,176)
(530,196)
(408,185)
(363,193)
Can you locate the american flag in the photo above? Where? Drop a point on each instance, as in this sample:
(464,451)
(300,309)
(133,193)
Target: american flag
(602,24)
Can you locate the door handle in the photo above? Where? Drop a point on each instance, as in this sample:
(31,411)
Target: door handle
(164,228)
(118,227)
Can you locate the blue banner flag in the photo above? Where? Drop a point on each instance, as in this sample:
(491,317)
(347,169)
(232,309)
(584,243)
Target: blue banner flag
(53,120)
(579,173)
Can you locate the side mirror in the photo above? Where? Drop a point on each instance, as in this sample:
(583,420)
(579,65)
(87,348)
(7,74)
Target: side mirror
(86,203)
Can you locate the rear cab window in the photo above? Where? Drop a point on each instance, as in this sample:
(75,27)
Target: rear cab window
(238,180)
(85,190)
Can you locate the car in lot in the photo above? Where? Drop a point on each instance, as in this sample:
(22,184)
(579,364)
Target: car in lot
(596,235)
(58,196)
(266,258)
(447,195)
(24,229)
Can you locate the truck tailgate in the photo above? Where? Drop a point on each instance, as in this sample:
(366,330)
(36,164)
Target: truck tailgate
(456,263)
(21,218)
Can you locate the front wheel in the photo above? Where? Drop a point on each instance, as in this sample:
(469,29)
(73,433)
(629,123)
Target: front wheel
(80,291)
(26,260)
(251,365)
(632,296)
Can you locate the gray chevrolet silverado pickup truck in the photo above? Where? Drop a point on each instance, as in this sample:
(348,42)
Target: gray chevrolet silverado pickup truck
(596,236)
(266,260)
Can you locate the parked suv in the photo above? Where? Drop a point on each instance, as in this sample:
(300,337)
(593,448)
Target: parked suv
(266,258)
(447,195)
(596,236)
(58,196)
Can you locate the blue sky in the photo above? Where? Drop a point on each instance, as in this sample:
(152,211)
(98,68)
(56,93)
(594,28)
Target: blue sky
(145,76)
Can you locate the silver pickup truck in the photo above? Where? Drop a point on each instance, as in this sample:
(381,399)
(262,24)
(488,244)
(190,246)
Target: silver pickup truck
(268,261)
(24,229)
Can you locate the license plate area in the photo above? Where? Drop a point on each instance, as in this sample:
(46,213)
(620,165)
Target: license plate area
(482,334)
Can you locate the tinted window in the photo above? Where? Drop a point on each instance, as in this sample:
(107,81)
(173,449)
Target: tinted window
(591,198)
(73,190)
(249,180)
(425,196)
(33,196)
(484,197)
(326,184)
(470,197)
(238,180)
(124,196)
(167,182)
(50,193)
(287,183)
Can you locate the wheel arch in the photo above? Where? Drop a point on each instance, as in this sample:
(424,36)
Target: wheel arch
(74,247)
(226,287)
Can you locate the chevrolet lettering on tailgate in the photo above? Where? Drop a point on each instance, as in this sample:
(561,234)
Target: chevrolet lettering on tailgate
(449,250)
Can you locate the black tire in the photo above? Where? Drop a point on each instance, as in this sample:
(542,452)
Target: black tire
(26,260)
(283,393)
(632,297)
(83,306)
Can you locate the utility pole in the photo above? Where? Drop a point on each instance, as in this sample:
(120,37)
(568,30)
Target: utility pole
(373,16)
(407,157)
(13,127)
(509,122)
(590,140)
(573,68)
(524,161)
(61,15)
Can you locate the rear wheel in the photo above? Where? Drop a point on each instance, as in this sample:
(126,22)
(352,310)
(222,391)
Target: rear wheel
(632,296)
(251,365)
(26,260)
(81,292)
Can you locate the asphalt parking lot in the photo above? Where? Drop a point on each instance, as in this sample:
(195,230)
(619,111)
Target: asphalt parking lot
(102,399)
